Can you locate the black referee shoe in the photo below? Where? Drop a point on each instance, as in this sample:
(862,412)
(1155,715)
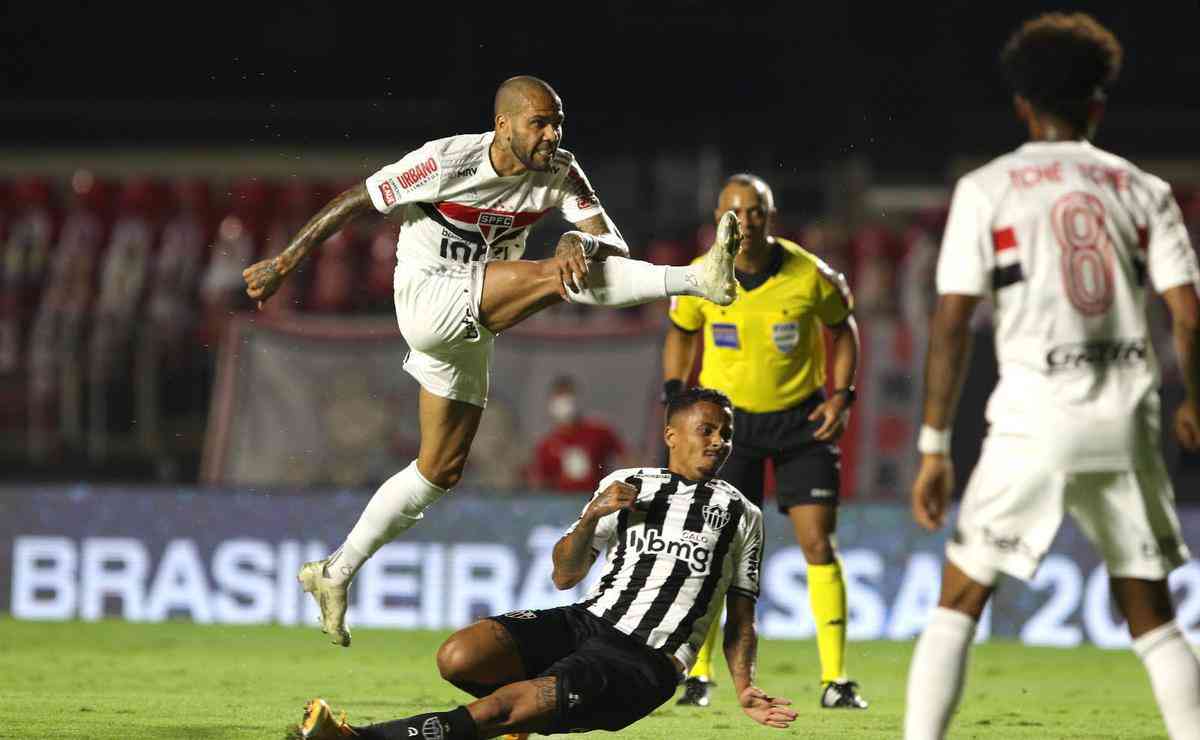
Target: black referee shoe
(695,692)
(842,695)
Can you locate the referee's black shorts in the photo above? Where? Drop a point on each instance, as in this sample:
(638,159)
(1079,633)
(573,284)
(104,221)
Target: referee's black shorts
(606,679)
(807,471)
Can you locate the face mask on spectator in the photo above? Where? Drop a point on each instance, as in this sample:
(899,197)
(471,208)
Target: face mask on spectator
(563,408)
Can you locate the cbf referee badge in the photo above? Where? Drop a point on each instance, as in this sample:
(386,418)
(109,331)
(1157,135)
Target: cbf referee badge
(786,336)
(715,517)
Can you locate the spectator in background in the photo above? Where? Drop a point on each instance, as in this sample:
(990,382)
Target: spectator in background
(576,453)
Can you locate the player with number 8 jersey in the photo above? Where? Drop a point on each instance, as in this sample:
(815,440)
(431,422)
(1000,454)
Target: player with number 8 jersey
(1069,242)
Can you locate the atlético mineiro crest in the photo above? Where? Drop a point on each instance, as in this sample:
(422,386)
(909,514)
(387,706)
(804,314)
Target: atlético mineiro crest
(715,517)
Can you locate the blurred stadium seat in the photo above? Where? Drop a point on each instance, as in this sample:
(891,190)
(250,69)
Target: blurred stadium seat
(115,296)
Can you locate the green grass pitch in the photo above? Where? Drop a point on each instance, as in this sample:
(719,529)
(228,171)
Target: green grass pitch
(180,681)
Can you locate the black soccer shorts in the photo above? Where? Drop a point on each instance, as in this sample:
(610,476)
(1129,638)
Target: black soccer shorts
(606,679)
(807,471)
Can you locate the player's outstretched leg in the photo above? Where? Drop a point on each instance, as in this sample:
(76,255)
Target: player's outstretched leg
(712,278)
(447,429)
(514,291)
(514,710)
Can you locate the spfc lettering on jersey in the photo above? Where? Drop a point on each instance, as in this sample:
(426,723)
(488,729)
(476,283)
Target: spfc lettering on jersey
(492,225)
(726,335)
(786,336)
(715,517)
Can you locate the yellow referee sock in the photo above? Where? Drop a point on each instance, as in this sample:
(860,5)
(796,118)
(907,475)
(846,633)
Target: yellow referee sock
(703,666)
(827,596)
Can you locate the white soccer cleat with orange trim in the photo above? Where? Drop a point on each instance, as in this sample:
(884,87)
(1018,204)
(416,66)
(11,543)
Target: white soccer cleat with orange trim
(319,723)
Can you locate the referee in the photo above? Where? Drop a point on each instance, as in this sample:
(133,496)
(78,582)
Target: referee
(766,351)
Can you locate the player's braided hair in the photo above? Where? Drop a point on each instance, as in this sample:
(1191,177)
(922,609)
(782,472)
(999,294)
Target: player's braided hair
(1061,62)
(684,400)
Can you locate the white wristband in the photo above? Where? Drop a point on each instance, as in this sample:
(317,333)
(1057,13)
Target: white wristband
(933,441)
(590,243)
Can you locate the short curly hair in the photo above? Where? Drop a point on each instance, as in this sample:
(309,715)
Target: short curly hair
(1060,61)
(692,396)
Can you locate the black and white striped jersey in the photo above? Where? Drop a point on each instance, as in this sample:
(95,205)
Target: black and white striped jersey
(670,562)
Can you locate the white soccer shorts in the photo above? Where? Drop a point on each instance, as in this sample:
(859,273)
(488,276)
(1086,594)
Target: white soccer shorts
(437,309)
(1014,504)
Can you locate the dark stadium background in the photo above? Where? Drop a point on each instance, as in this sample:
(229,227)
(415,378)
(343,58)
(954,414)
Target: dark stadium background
(910,85)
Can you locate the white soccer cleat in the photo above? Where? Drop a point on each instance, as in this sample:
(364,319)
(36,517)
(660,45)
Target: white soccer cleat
(331,598)
(715,274)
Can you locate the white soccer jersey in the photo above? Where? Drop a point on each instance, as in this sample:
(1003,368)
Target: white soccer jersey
(454,206)
(672,560)
(1063,236)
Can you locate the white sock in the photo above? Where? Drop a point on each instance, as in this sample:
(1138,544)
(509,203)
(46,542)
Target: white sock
(935,678)
(396,506)
(619,282)
(684,280)
(1175,678)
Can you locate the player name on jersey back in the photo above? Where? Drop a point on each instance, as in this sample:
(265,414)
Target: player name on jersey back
(1068,241)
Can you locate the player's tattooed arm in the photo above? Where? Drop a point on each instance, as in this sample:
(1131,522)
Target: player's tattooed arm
(600,226)
(741,640)
(264,278)
(573,554)
(741,648)
(545,695)
(596,238)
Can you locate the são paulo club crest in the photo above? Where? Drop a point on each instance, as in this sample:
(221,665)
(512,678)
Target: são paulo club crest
(715,517)
(493,224)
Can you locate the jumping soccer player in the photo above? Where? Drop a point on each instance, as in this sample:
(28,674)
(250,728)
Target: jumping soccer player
(678,543)
(1068,241)
(466,204)
(767,351)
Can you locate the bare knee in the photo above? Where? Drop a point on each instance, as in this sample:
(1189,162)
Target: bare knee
(1145,604)
(814,530)
(817,548)
(454,660)
(962,594)
(443,471)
